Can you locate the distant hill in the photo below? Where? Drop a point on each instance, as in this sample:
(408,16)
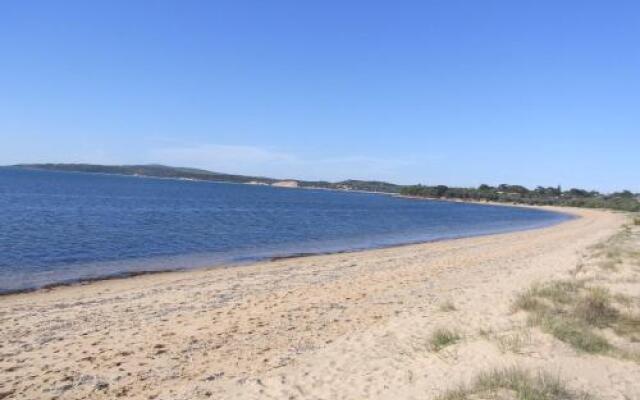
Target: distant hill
(515,194)
(163,171)
(151,170)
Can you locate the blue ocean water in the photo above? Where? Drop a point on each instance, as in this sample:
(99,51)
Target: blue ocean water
(58,227)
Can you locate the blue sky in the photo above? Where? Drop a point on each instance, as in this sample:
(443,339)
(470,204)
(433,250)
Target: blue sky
(438,92)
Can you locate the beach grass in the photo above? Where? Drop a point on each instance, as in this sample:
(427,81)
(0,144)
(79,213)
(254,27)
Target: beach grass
(573,313)
(514,383)
(595,308)
(570,311)
(443,337)
(573,332)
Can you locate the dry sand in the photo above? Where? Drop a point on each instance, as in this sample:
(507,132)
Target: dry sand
(343,326)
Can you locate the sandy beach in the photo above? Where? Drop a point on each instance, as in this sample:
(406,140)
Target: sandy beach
(343,326)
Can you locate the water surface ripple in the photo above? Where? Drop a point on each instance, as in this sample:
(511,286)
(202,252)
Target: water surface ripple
(58,227)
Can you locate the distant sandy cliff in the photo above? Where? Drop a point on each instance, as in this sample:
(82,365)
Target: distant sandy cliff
(286,184)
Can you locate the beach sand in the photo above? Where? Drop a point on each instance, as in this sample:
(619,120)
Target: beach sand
(342,326)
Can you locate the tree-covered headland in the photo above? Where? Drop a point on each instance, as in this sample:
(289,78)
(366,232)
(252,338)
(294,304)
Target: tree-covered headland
(553,196)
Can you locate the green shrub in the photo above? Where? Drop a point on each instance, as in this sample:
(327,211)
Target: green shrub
(443,337)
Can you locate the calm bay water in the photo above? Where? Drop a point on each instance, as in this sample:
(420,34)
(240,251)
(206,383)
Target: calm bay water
(58,227)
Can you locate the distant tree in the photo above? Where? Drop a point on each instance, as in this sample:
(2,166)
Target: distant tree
(625,200)
(513,189)
(578,193)
(441,190)
(625,194)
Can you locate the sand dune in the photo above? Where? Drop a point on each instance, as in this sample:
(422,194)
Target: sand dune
(343,326)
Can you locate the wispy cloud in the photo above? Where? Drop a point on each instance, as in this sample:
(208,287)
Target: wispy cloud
(216,154)
(254,160)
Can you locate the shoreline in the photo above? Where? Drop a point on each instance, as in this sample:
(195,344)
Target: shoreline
(337,326)
(295,255)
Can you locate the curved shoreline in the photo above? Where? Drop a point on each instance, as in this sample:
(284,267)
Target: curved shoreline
(233,263)
(338,326)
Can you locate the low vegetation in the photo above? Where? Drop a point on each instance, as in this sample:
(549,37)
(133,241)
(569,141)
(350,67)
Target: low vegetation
(579,312)
(514,383)
(582,311)
(611,252)
(570,311)
(443,337)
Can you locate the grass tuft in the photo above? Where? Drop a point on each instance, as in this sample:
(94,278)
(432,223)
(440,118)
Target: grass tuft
(528,301)
(573,332)
(568,311)
(560,292)
(516,383)
(595,308)
(628,325)
(443,337)
(572,319)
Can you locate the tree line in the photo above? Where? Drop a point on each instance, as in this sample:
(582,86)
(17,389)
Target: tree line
(554,196)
